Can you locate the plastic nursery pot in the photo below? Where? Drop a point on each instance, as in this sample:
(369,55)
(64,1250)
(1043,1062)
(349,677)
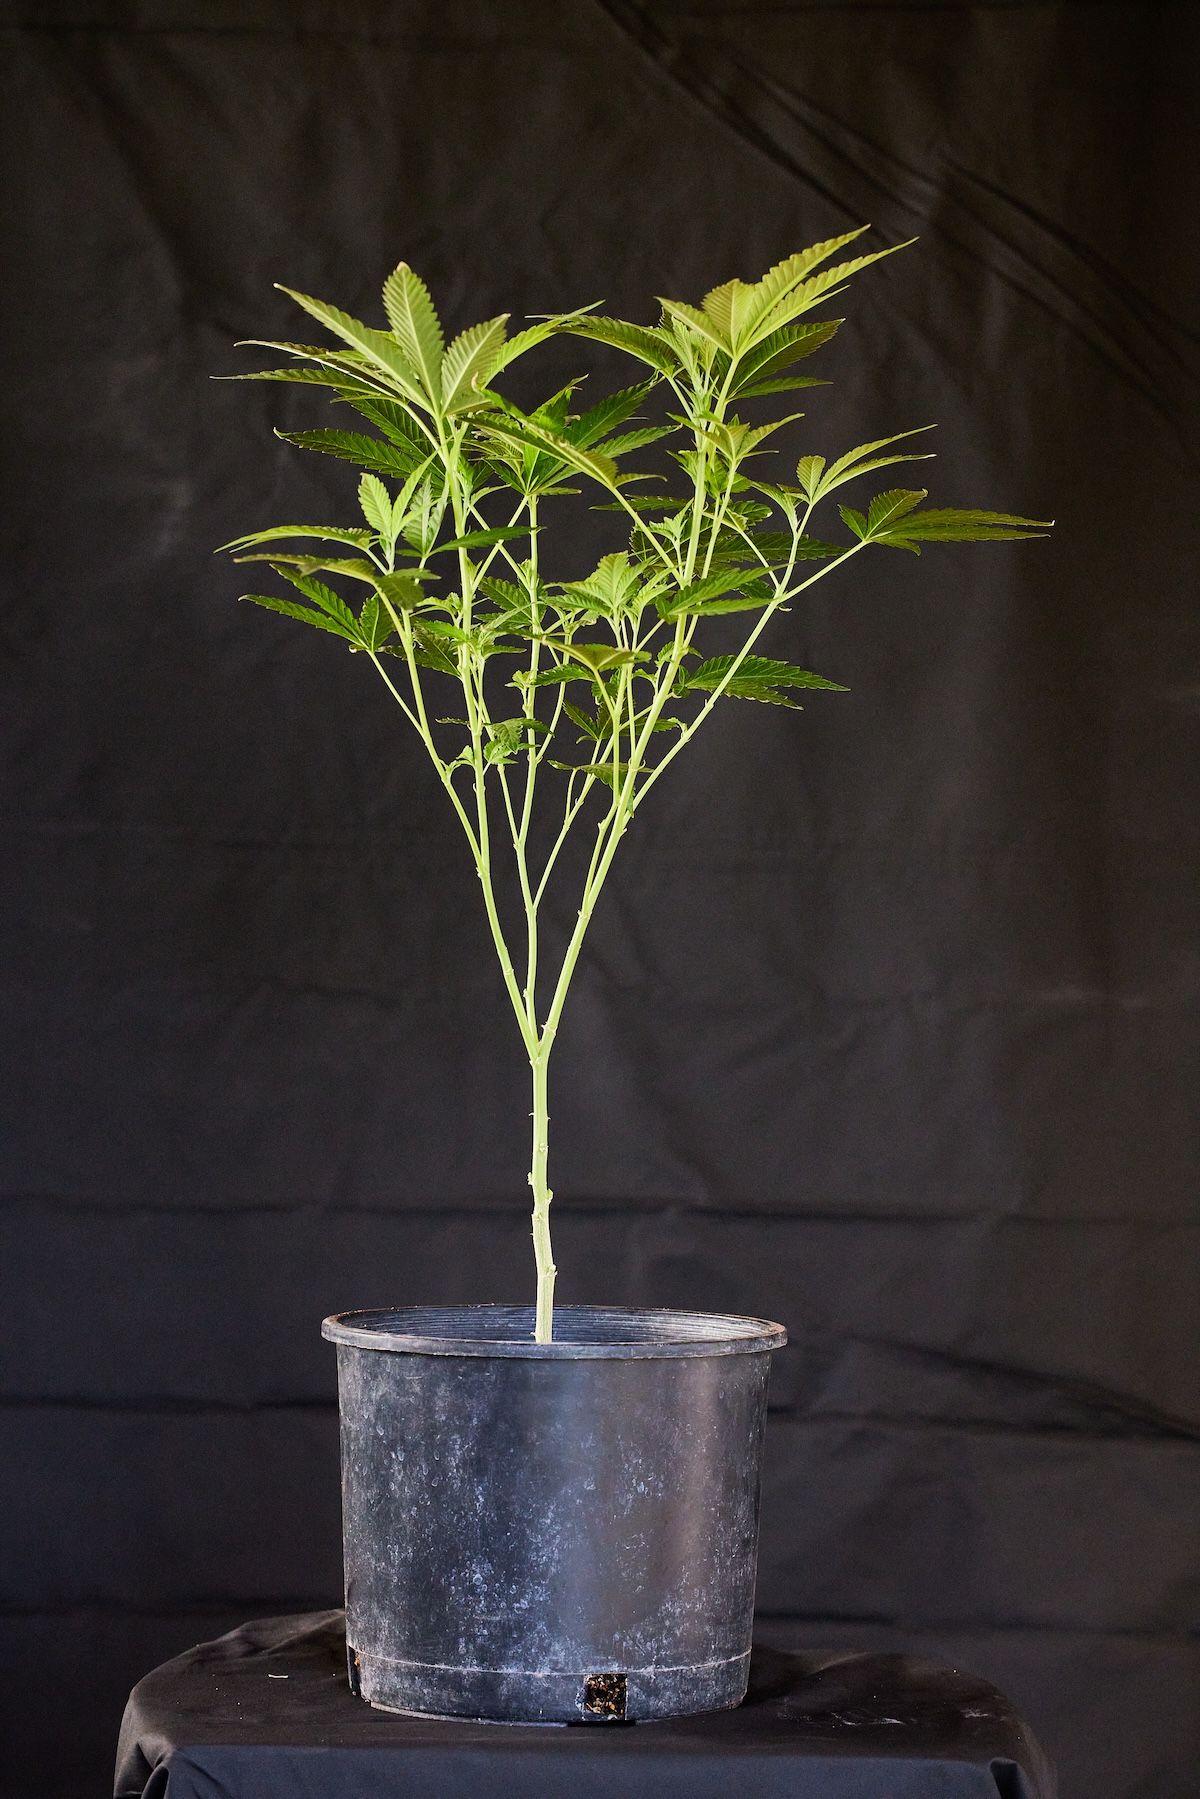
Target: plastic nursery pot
(554,1532)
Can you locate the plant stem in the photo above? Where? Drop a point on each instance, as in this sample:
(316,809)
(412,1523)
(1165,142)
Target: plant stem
(542,1251)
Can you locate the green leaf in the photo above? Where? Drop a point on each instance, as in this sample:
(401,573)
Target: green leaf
(416,327)
(508,737)
(376,503)
(330,533)
(858,461)
(635,440)
(699,595)
(476,539)
(525,340)
(321,596)
(779,350)
(505,594)
(471,359)
(808,473)
(607,415)
(885,508)
(959,525)
(430,653)
(643,503)
(782,294)
(752,599)
(856,520)
(392,419)
(738,306)
(377,346)
(321,377)
(591,726)
(357,447)
(615,587)
(315,565)
(777,546)
(554,677)
(404,591)
(613,775)
(757,678)
(304,613)
(788,386)
(374,623)
(696,320)
(532,436)
(649,344)
(599,658)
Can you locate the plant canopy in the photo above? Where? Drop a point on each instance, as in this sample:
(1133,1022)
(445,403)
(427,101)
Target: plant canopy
(583,690)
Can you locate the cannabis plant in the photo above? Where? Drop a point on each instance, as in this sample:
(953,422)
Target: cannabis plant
(530,691)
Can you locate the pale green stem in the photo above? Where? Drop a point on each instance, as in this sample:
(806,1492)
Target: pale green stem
(543,1253)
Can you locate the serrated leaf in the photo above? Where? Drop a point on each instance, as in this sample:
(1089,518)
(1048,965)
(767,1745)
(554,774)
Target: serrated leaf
(321,377)
(886,507)
(635,440)
(777,546)
(430,654)
(507,737)
(752,599)
(377,346)
(600,658)
(531,436)
(472,357)
(505,594)
(329,533)
(606,415)
(521,341)
(647,343)
(376,503)
(416,326)
(593,728)
(696,319)
(856,520)
(962,525)
(779,351)
(860,461)
(305,614)
(374,623)
(555,677)
(321,596)
(476,539)
(644,503)
(611,774)
(698,594)
(403,591)
(315,565)
(390,416)
(808,473)
(613,587)
(757,678)
(786,297)
(356,447)
(779,387)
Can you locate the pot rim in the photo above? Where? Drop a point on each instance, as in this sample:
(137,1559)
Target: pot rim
(596,1333)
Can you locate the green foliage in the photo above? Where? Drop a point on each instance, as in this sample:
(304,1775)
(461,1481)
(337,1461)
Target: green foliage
(451,491)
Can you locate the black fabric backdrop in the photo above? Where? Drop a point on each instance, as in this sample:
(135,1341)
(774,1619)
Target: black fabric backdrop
(888,1024)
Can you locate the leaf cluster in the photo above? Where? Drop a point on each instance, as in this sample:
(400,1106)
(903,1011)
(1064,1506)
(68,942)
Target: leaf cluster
(445,575)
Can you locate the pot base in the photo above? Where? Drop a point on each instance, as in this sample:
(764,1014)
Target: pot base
(517,1696)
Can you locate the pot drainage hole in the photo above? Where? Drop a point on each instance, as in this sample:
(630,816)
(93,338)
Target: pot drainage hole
(604,1696)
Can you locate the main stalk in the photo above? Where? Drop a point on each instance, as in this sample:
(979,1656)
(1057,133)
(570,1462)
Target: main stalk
(543,1329)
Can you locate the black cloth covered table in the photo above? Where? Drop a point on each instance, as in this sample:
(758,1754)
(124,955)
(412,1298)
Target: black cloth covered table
(266,1713)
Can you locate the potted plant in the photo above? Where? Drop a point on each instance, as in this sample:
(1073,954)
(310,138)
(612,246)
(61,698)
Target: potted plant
(554,1515)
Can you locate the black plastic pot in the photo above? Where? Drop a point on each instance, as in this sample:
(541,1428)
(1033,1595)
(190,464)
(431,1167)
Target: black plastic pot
(561,1531)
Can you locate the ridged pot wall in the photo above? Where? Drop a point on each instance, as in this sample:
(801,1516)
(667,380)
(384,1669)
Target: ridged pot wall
(551,1532)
